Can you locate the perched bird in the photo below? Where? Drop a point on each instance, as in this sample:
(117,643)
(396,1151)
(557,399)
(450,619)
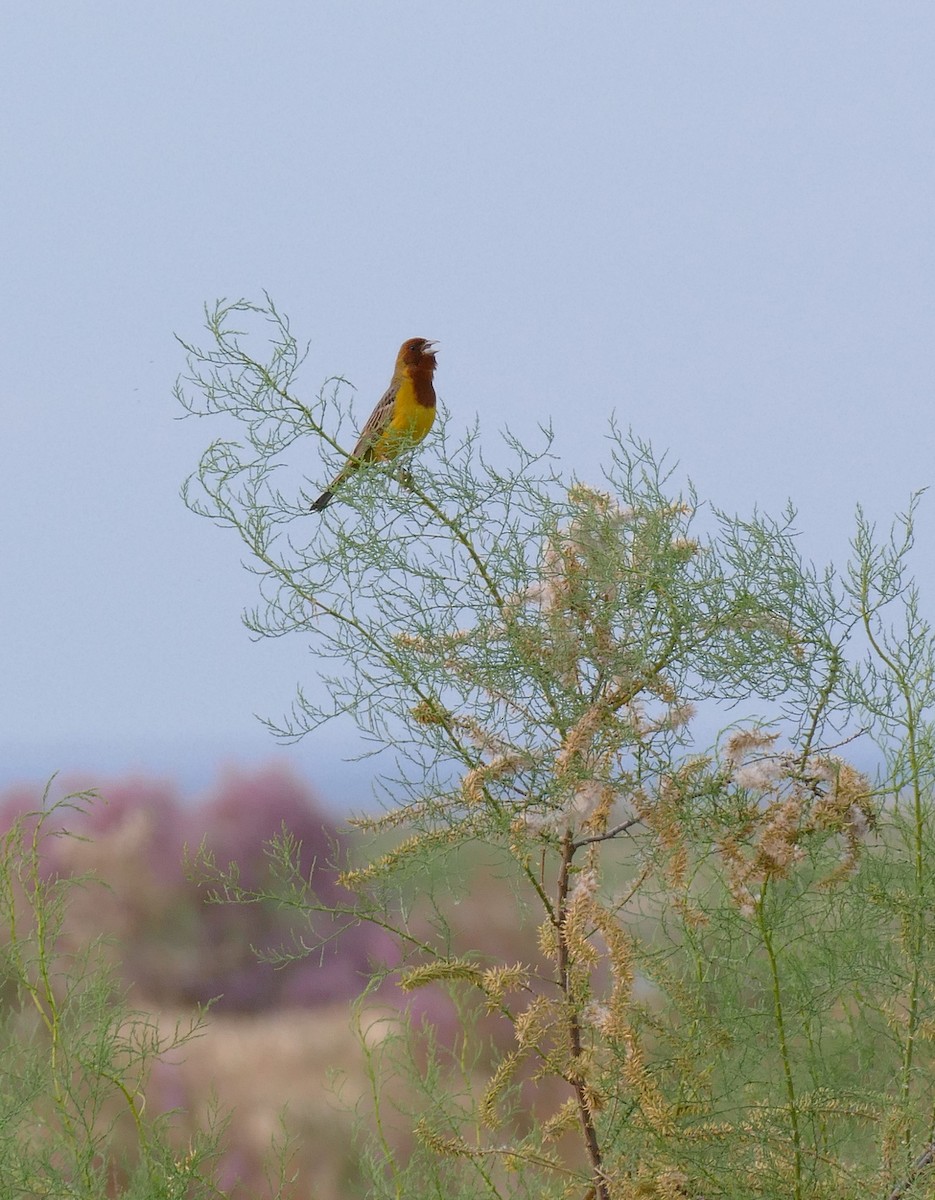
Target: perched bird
(403,416)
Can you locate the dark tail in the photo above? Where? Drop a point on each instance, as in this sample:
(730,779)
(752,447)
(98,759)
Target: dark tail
(322,502)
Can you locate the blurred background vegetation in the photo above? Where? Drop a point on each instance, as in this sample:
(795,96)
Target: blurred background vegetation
(263,1064)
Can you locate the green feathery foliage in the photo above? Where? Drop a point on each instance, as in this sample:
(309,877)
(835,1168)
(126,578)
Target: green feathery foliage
(74,1056)
(732,990)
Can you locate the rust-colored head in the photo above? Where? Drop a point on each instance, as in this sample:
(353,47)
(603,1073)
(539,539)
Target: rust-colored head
(417,354)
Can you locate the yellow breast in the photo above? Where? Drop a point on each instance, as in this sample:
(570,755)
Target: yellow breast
(410,422)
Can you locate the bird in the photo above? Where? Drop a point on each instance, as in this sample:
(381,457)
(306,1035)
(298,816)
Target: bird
(403,416)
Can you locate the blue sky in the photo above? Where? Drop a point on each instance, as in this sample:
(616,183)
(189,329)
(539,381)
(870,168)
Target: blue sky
(714,219)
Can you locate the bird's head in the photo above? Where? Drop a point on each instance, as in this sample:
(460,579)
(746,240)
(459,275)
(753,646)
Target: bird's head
(417,353)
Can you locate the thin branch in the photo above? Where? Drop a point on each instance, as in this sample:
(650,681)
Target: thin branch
(609,835)
(925,1159)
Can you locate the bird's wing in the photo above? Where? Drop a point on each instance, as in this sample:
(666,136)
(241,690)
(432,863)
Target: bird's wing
(376,422)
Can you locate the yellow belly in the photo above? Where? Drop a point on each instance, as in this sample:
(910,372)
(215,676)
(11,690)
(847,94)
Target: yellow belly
(410,423)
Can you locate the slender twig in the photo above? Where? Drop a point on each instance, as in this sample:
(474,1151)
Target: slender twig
(925,1159)
(918,810)
(778,1013)
(601,1190)
(606,837)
